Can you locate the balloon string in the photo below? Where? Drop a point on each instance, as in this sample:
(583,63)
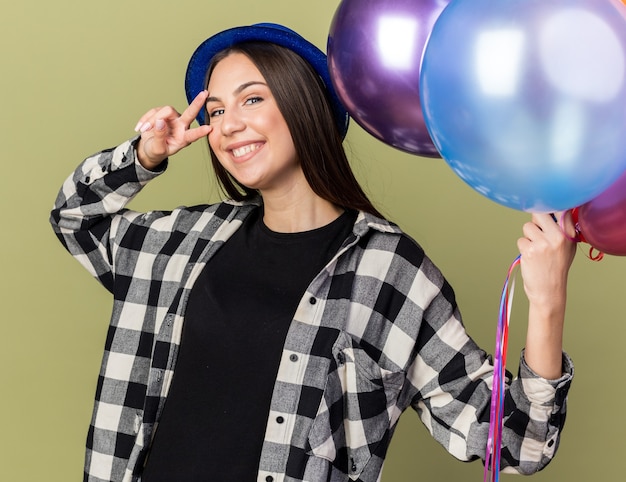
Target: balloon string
(595,257)
(494,441)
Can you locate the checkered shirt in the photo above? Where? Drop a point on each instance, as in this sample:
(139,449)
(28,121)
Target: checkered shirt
(377,331)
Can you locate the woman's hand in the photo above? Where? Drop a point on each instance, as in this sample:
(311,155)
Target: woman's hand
(164,132)
(547,254)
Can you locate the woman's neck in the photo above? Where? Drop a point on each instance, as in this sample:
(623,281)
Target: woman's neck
(293,214)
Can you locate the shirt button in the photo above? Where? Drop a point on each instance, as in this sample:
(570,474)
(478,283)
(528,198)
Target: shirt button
(293,357)
(312,300)
(341,359)
(280,419)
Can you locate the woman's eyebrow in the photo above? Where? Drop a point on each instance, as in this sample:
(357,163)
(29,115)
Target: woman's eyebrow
(238,90)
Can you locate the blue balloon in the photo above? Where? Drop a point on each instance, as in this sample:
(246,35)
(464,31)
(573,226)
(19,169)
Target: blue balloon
(526,99)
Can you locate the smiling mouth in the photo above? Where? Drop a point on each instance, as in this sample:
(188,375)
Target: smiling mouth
(242,151)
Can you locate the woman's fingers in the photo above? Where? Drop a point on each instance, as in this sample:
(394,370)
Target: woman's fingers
(190,114)
(158,146)
(197,104)
(566,223)
(171,116)
(144,124)
(164,131)
(551,226)
(192,135)
(148,120)
(547,254)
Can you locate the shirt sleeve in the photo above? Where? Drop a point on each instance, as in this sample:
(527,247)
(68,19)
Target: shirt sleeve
(452,381)
(86,214)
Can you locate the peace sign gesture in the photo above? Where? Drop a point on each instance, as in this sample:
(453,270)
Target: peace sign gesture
(164,131)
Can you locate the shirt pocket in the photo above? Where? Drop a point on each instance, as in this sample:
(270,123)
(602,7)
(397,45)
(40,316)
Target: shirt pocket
(355,412)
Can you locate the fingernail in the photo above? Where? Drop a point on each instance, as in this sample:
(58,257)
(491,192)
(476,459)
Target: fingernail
(138,126)
(145,127)
(160,124)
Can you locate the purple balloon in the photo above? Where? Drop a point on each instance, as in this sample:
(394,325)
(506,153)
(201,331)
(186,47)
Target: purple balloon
(602,220)
(374,54)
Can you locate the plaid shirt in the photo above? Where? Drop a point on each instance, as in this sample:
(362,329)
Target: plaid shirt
(376,331)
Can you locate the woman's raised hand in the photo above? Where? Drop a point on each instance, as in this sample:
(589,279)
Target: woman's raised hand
(547,253)
(164,131)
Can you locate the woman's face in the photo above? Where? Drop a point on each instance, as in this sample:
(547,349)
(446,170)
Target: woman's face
(250,136)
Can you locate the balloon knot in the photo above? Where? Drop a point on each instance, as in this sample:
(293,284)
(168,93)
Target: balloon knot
(578,236)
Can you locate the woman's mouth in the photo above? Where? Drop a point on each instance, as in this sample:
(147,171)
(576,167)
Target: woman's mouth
(242,151)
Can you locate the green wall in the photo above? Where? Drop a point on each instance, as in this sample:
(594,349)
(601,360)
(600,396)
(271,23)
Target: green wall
(76,76)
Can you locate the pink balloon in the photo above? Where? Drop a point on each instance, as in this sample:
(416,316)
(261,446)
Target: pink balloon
(602,221)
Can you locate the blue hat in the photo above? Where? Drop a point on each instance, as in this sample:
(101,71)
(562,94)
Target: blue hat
(261,32)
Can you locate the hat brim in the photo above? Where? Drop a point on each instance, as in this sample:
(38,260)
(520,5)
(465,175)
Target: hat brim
(195,77)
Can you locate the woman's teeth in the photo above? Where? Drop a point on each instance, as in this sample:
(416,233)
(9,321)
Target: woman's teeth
(241,151)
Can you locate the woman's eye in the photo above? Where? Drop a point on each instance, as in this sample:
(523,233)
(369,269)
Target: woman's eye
(253,100)
(216,112)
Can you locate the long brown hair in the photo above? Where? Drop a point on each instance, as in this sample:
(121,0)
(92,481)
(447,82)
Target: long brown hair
(302,99)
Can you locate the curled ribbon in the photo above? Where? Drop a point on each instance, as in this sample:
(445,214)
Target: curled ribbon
(494,442)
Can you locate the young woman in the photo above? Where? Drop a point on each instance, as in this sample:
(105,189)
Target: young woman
(278,335)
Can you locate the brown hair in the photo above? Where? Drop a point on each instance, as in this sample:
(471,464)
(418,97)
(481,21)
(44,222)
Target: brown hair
(316,138)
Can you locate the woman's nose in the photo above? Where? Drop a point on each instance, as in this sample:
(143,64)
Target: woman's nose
(232,121)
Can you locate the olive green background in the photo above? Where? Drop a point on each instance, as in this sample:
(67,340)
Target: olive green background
(76,76)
